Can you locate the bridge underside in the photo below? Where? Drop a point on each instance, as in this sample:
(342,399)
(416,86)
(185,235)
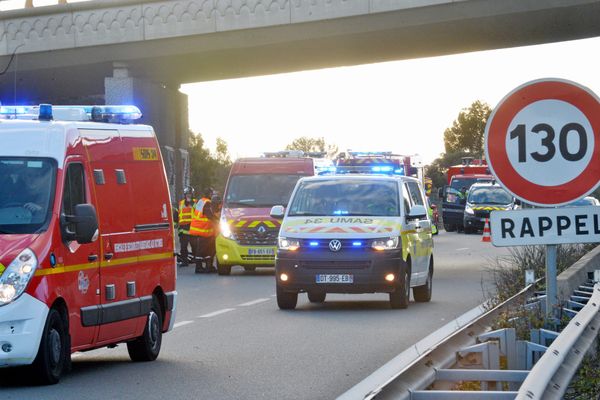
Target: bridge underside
(79,73)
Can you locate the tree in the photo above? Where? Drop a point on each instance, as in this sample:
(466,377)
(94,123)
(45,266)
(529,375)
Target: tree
(466,132)
(310,144)
(208,170)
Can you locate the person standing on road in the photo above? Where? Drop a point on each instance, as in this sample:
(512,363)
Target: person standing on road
(203,230)
(186,208)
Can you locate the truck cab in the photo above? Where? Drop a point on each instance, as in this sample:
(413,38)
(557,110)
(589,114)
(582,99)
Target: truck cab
(247,233)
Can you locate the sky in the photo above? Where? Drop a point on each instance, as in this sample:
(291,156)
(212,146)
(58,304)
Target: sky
(400,106)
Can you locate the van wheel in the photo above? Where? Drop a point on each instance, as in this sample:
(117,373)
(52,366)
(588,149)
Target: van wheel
(147,346)
(286,300)
(422,293)
(449,227)
(223,269)
(316,297)
(400,298)
(249,268)
(54,352)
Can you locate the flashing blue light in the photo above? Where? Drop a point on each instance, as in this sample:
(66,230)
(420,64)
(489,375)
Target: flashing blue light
(356,244)
(399,171)
(314,244)
(45,112)
(340,212)
(116,114)
(382,168)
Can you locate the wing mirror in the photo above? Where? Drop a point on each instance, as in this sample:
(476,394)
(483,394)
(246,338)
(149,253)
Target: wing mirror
(277,212)
(81,227)
(417,212)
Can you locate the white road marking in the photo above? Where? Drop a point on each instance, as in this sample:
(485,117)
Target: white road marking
(253,302)
(214,314)
(182,323)
(462,248)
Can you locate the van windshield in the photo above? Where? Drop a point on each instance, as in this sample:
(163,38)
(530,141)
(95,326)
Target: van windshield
(261,190)
(26,194)
(359,197)
(489,195)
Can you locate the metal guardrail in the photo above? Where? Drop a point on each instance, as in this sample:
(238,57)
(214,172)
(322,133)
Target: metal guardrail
(416,367)
(430,362)
(551,375)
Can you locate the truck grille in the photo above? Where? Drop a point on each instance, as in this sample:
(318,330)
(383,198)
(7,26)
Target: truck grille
(252,237)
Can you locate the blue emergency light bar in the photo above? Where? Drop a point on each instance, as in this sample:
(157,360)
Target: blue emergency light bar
(47,112)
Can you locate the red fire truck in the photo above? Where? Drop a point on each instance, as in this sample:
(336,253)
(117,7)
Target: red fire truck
(86,236)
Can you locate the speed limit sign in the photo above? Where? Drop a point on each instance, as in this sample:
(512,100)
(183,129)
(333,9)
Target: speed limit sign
(542,142)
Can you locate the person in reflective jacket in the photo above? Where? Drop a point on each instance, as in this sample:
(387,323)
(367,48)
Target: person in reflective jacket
(186,208)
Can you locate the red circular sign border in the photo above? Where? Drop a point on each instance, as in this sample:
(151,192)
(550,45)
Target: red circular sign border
(495,138)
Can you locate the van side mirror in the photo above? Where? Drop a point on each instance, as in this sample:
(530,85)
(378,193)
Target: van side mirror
(277,212)
(441,193)
(417,212)
(85,223)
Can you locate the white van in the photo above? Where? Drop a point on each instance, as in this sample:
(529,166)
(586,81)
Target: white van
(354,234)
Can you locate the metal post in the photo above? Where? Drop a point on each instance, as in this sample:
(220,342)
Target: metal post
(551,297)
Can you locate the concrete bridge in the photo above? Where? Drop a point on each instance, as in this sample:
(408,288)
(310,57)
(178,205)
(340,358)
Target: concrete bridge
(133,51)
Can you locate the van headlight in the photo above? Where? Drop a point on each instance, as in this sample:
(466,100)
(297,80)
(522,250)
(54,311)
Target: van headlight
(17,275)
(288,244)
(469,210)
(386,244)
(225,229)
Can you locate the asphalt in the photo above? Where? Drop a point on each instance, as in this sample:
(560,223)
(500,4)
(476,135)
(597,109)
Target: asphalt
(232,342)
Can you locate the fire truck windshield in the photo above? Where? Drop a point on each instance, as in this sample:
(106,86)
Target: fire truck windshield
(26,194)
(261,190)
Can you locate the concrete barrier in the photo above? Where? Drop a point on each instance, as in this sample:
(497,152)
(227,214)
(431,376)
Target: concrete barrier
(570,279)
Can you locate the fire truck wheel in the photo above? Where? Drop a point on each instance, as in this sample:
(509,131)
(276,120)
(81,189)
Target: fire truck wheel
(223,269)
(147,346)
(52,357)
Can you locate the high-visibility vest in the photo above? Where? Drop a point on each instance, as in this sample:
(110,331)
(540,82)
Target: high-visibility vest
(185,215)
(201,226)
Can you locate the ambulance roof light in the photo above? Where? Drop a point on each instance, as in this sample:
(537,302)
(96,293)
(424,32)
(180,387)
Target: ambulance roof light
(116,114)
(45,112)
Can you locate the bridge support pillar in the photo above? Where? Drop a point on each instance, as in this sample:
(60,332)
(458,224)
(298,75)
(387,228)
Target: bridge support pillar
(163,107)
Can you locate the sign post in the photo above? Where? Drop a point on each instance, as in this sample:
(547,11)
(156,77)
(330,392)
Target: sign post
(542,143)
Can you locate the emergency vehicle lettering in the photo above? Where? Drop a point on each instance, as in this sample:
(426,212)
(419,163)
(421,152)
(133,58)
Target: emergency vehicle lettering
(339,220)
(139,245)
(145,154)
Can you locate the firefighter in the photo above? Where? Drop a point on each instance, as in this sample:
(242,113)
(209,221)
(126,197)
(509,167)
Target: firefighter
(186,207)
(202,229)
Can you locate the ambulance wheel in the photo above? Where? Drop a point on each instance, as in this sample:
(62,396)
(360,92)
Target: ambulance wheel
(286,300)
(249,268)
(422,294)
(147,346)
(400,297)
(223,269)
(54,353)
(316,297)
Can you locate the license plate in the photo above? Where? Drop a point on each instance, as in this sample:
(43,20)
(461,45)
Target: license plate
(335,278)
(261,252)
